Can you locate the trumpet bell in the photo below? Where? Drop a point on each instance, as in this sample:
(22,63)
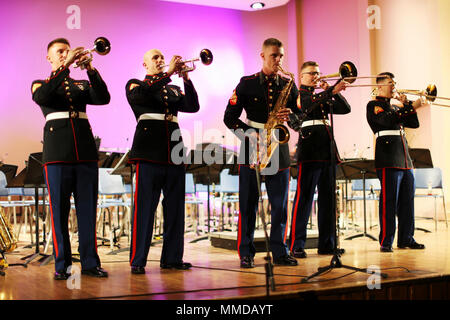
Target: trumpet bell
(102,46)
(206,57)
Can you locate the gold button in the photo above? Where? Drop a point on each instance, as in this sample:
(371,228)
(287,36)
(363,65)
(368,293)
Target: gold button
(270,83)
(51,128)
(270,97)
(165,91)
(67,88)
(166,97)
(66,82)
(70,99)
(68,93)
(145,129)
(270,90)
(256,99)
(270,104)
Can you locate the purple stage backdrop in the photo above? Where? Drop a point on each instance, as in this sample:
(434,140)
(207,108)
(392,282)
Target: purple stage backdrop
(133,27)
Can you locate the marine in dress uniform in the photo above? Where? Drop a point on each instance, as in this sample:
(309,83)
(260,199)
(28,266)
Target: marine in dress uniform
(70,155)
(157,152)
(393,164)
(257,95)
(314,161)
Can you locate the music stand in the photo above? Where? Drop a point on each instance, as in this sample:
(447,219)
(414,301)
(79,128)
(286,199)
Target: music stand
(9,170)
(421,158)
(34,178)
(209,172)
(125,169)
(336,259)
(355,169)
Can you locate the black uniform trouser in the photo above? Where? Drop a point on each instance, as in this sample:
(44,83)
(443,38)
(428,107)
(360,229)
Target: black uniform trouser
(151,178)
(310,175)
(277,186)
(62,180)
(396,198)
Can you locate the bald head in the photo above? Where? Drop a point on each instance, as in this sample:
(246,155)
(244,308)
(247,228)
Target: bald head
(153,61)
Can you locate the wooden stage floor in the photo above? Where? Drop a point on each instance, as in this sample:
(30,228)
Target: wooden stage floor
(216,274)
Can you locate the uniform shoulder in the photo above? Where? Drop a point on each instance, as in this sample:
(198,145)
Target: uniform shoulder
(132,83)
(250,77)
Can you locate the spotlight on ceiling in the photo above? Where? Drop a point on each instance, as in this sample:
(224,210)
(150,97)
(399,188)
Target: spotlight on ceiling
(257,5)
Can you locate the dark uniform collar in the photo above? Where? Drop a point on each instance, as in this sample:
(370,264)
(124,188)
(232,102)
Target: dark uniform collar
(155,76)
(388,100)
(307,88)
(264,78)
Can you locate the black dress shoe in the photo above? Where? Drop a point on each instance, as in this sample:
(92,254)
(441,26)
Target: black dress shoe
(386,249)
(299,253)
(412,245)
(95,272)
(285,261)
(178,265)
(61,275)
(330,251)
(247,262)
(137,270)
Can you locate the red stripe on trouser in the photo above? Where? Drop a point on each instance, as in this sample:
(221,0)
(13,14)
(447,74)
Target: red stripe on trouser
(133,247)
(294,216)
(383,225)
(287,206)
(239,223)
(55,241)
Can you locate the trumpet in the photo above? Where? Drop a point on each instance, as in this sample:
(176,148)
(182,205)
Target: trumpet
(205,56)
(101,45)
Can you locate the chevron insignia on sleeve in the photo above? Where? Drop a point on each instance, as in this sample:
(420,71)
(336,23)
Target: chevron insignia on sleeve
(133,85)
(378,110)
(35,87)
(233,99)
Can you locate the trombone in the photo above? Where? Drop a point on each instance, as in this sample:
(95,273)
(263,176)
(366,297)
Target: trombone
(349,73)
(101,45)
(205,56)
(430,94)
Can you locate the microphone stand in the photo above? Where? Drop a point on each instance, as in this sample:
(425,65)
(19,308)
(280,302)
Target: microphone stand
(336,259)
(268,266)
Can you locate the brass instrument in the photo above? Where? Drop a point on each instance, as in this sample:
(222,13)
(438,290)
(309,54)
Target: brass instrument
(347,72)
(274,131)
(205,56)
(101,45)
(430,94)
(8,241)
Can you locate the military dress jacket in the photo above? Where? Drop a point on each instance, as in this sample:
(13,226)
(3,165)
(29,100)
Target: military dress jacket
(257,94)
(315,142)
(155,104)
(69,138)
(391,150)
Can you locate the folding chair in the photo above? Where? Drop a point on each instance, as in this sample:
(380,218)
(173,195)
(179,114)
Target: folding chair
(431,179)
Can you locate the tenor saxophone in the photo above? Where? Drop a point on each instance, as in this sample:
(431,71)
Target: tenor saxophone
(275,133)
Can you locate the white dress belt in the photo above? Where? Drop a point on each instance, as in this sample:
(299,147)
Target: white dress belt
(315,123)
(66,115)
(254,124)
(156,116)
(388,133)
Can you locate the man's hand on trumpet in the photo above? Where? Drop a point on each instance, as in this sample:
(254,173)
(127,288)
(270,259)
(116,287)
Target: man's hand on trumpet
(72,56)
